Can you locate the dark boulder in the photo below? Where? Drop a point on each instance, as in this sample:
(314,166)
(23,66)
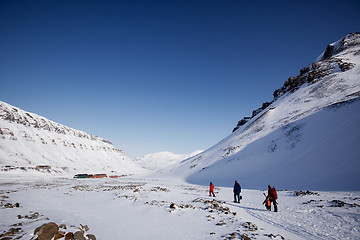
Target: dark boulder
(304,70)
(48,231)
(310,77)
(69,236)
(79,235)
(91,236)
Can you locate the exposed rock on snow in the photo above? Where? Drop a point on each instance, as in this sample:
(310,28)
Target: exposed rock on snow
(47,231)
(328,215)
(303,193)
(174,206)
(51,230)
(9,205)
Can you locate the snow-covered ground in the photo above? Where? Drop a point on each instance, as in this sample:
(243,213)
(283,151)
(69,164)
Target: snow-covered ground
(139,208)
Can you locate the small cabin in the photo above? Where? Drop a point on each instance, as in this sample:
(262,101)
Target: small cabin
(84,175)
(99,175)
(81,176)
(43,167)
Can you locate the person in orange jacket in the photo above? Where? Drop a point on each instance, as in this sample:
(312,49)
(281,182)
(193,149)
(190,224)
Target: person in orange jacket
(211,189)
(272,196)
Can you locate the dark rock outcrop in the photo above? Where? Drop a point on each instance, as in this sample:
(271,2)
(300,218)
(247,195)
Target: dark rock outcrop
(48,231)
(352,39)
(79,235)
(51,231)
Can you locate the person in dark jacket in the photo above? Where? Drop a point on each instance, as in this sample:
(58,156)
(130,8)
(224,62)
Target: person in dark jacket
(272,196)
(237,191)
(211,189)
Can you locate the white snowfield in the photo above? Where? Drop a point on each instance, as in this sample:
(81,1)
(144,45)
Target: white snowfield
(139,208)
(308,138)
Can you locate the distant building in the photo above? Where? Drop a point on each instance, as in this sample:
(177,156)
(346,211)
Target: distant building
(46,167)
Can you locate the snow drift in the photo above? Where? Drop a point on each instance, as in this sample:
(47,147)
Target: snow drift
(307,137)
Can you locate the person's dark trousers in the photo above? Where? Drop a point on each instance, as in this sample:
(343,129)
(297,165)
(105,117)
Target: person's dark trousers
(275,204)
(237,196)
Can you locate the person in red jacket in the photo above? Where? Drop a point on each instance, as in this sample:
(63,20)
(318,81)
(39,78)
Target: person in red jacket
(272,195)
(211,189)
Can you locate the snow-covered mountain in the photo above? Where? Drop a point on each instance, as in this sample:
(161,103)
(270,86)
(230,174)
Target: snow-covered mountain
(162,160)
(28,140)
(307,137)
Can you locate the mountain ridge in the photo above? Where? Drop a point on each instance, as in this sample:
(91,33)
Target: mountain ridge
(28,140)
(322,67)
(17,115)
(325,83)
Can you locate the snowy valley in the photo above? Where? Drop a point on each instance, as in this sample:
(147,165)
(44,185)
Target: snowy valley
(162,160)
(305,142)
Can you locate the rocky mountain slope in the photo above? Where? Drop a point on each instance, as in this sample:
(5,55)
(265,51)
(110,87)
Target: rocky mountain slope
(28,141)
(307,137)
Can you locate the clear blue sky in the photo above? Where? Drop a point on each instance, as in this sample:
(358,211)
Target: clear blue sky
(154,75)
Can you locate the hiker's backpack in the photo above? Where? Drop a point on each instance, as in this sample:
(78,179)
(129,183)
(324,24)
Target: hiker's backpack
(274,193)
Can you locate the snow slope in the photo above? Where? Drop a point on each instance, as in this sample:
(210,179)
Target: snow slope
(308,137)
(28,140)
(161,160)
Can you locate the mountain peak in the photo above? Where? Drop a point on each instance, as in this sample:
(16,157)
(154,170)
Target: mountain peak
(329,62)
(350,40)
